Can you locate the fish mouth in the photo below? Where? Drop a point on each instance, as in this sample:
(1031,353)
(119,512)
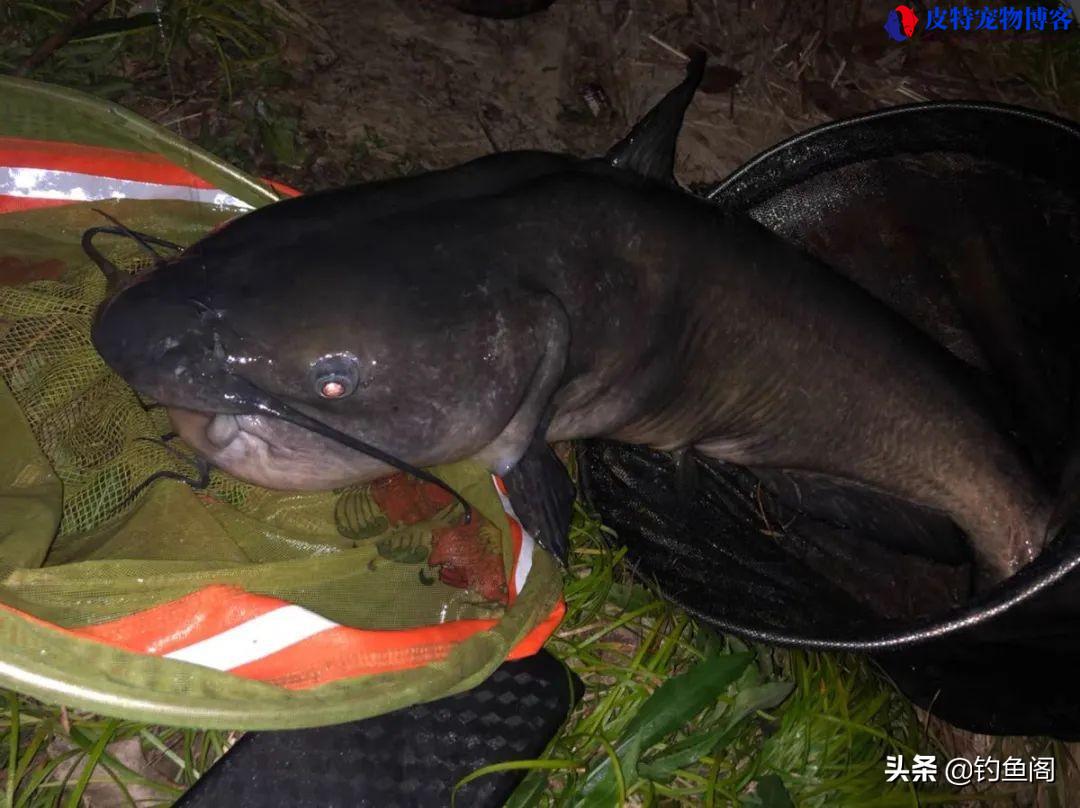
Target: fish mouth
(222,429)
(271,452)
(280,447)
(218,432)
(262,439)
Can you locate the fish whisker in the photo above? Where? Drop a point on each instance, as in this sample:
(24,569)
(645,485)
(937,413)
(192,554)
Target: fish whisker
(117,280)
(142,239)
(198,483)
(269,405)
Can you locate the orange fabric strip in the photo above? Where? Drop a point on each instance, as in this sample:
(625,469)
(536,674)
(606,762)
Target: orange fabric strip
(541,633)
(14,204)
(97,160)
(165,628)
(329,656)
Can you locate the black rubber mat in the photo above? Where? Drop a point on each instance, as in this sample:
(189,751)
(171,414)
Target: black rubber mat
(410,758)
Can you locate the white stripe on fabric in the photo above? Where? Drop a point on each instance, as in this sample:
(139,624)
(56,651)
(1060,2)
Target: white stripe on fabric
(523,565)
(46,183)
(525,559)
(257,638)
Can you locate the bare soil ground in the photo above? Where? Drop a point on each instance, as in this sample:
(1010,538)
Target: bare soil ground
(390,86)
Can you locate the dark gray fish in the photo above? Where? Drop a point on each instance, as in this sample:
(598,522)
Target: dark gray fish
(525,298)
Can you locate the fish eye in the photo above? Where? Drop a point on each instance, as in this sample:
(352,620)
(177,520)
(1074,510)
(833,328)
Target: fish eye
(335,375)
(331,387)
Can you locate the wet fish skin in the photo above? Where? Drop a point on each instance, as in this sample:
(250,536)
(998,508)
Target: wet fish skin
(625,308)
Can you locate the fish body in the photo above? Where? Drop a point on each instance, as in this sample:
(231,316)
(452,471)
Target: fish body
(525,297)
(584,297)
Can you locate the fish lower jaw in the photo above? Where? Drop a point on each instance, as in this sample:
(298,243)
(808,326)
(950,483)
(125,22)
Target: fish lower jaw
(217,434)
(271,453)
(250,435)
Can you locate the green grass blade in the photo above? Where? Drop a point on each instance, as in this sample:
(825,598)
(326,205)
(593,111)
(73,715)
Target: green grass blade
(609,788)
(160,745)
(679,699)
(125,773)
(116,27)
(38,778)
(673,704)
(770,790)
(507,766)
(13,747)
(685,752)
(761,697)
(41,733)
(92,759)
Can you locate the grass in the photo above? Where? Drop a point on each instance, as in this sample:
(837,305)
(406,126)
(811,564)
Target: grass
(58,758)
(108,55)
(1051,69)
(208,68)
(672,715)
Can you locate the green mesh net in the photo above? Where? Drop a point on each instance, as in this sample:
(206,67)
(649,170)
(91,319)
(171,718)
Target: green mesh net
(82,543)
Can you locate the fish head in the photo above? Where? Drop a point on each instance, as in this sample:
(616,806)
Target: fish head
(252,349)
(338,310)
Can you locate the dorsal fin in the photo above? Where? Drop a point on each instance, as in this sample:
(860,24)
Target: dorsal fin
(649,149)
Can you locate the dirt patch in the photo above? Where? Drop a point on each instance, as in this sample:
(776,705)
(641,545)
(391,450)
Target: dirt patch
(417,85)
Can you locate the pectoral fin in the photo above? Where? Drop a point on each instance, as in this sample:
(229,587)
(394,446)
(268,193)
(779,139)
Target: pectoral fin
(542,494)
